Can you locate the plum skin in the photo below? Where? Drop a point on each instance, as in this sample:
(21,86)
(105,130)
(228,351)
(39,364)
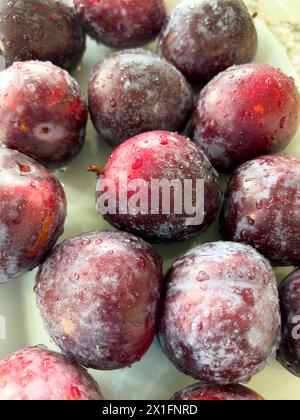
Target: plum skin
(289,350)
(245,112)
(134,91)
(121,24)
(262,208)
(210,392)
(43,30)
(98,295)
(42,112)
(32,213)
(204,37)
(160,155)
(220,318)
(37,373)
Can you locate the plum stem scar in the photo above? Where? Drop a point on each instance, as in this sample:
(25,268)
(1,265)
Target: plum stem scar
(96,170)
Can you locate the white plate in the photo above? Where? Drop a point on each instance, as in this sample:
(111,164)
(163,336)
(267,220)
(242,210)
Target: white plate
(154,377)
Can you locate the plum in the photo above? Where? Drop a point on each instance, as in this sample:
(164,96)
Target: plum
(289,350)
(167,170)
(245,112)
(42,112)
(220,318)
(122,23)
(32,213)
(204,37)
(40,30)
(134,91)
(210,392)
(39,374)
(262,208)
(98,295)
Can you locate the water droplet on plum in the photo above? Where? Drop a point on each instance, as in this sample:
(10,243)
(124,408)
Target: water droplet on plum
(259,205)
(251,220)
(137,163)
(34,184)
(207,313)
(202,276)
(113,102)
(283,122)
(164,141)
(141,262)
(85,242)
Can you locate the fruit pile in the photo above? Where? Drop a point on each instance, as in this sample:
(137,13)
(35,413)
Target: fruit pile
(103,297)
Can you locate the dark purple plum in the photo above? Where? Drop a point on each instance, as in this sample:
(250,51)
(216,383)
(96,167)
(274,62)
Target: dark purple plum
(42,112)
(122,23)
(245,112)
(38,374)
(289,349)
(168,159)
(46,30)
(32,213)
(262,208)
(134,91)
(98,295)
(210,392)
(220,318)
(204,37)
